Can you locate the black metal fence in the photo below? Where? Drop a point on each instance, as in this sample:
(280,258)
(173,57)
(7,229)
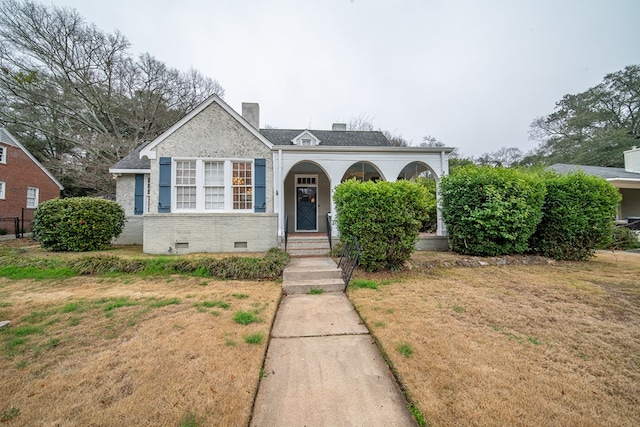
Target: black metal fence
(18,225)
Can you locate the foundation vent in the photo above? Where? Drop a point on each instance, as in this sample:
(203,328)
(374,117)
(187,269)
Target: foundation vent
(240,245)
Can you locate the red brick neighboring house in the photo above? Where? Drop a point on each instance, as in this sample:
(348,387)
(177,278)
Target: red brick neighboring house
(24,182)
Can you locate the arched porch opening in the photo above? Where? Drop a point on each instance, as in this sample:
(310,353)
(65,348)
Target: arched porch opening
(363,171)
(307,198)
(425,176)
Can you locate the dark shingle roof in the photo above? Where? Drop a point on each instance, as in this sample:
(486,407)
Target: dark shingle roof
(345,138)
(604,172)
(133,160)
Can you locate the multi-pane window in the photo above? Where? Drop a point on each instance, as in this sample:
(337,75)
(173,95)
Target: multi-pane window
(32,197)
(3,154)
(214,185)
(2,189)
(202,185)
(186,184)
(242,186)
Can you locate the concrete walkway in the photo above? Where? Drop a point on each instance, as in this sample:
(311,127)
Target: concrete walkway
(323,368)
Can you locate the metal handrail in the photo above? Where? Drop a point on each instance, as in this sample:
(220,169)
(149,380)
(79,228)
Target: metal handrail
(286,231)
(329,230)
(349,259)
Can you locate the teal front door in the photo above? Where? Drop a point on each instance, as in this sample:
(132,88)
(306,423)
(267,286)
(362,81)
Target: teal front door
(306,209)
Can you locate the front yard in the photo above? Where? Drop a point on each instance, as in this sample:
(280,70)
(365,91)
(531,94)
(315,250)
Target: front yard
(129,350)
(540,343)
(554,344)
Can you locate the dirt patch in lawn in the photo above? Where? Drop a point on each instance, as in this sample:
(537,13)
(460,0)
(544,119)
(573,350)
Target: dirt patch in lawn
(548,344)
(125,350)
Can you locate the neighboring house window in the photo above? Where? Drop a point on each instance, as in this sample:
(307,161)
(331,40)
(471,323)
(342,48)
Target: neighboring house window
(186,184)
(213,185)
(2,187)
(32,197)
(3,155)
(242,186)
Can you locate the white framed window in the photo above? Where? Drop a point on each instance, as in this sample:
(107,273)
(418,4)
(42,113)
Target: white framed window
(205,185)
(3,155)
(185,184)
(214,185)
(2,190)
(32,197)
(242,186)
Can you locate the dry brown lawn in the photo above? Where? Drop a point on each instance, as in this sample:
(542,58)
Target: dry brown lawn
(556,344)
(116,351)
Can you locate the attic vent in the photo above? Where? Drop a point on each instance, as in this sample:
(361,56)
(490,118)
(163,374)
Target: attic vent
(182,245)
(240,245)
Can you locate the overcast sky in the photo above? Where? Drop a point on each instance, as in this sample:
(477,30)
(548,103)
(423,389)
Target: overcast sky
(473,74)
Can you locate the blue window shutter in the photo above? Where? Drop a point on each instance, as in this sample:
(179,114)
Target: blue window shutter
(260,167)
(164,195)
(138,201)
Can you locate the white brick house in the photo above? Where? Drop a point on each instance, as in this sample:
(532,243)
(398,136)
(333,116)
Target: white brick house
(216,182)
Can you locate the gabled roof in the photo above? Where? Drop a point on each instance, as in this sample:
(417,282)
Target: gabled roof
(332,138)
(147,151)
(7,138)
(132,163)
(604,172)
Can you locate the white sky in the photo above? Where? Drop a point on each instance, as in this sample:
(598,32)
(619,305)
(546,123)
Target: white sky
(473,74)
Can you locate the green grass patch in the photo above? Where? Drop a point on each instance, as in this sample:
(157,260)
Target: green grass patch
(230,343)
(534,340)
(379,324)
(9,414)
(164,302)
(316,291)
(23,331)
(189,420)
(212,304)
(72,306)
(457,309)
(113,303)
(240,296)
(405,349)
(363,283)
(254,338)
(417,415)
(246,317)
(36,273)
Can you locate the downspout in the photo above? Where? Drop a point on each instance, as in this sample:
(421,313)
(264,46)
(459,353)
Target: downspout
(280,186)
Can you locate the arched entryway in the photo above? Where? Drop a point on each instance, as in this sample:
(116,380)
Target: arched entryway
(307,191)
(363,171)
(416,170)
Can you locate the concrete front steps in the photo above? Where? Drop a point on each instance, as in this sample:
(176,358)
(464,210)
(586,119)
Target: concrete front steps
(307,244)
(303,275)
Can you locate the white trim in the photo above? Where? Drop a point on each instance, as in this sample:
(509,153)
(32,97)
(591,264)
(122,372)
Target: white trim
(149,150)
(306,134)
(36,197)
(3,155)
(295,187)
(33,159)
(3,190)
(129,171)
(228,185)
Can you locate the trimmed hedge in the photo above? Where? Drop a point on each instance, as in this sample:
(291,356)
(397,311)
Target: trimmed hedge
(578,216)
(491,211)
(77,224)
(385,217)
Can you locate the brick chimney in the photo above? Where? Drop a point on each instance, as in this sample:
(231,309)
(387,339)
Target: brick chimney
(632,160)
(251,113)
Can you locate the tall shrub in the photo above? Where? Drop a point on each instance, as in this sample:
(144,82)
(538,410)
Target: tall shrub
(491,211)
(578,215)
(430,217)
(385,217)
(77,224)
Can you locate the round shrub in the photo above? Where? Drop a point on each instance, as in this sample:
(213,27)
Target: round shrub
(77,224)
(578,216)
(385,217)
(491,211)
(622,239)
